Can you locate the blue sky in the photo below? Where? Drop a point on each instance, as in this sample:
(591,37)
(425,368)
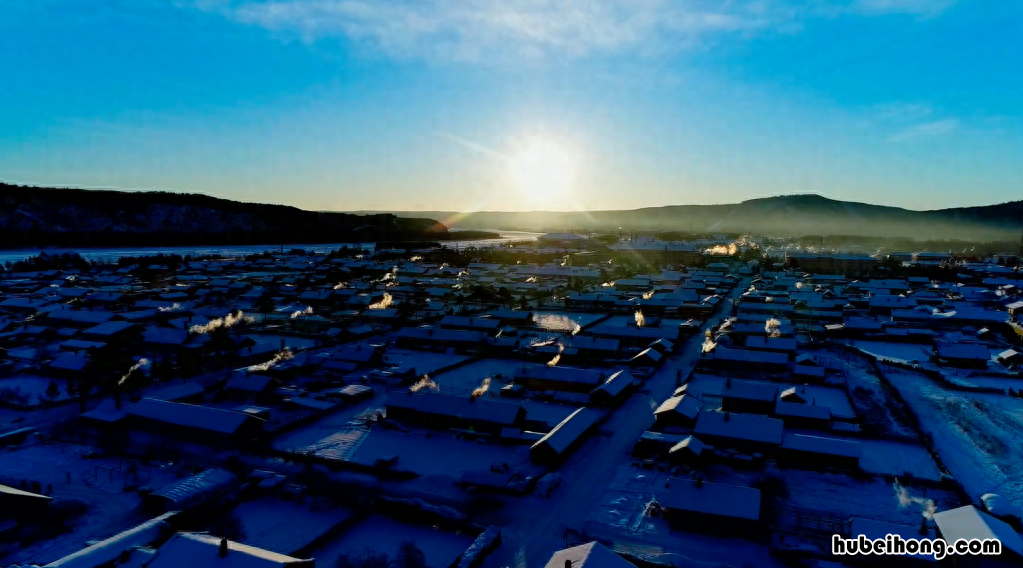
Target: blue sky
(519,104)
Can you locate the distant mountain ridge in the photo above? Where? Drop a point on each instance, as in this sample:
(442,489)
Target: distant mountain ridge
(787,215)
(35,216)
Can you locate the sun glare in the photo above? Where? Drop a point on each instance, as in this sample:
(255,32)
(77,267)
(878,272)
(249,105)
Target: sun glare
(542,170)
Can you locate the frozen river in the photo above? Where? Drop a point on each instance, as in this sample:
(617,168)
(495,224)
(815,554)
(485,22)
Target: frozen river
(238,251)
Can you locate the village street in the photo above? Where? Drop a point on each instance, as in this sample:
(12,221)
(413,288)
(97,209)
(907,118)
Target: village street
(533,526)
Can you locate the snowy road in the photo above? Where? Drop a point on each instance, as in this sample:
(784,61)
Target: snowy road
(533,528)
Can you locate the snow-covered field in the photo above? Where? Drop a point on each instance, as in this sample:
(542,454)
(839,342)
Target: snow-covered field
(33,387)
(869,395)
(976,435)
(887,457)
(384,534)
(111,509)
(619,516)
(841,496)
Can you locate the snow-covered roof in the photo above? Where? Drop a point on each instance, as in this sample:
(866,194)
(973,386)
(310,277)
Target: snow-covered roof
(560,374)
(739,426)
(108,551)
(685,405)
(822,445)
(569,430)
(714,499)
(969,522)
(189,415)
(589,555)
(195,550)
(973,351)
(198,488)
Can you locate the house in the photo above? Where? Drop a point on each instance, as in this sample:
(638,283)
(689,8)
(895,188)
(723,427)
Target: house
(570,379)
(202,423)
(1010,357)
(359,354)
(875,530)
(589,555)
(437,338)
(748,396)
(966,355)
(486,325)
(445,411)
(969,522)
(200,549)
(615,389)
(785,345)
(749,361)
(702,506)
(193,491)
(20,503)
(556,444)
(745,432)
(820,450)
(802,415)
(677,411)
(107,552)
(689,451)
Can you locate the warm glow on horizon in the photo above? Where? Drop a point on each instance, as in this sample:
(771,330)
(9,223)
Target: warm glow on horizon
(542,170)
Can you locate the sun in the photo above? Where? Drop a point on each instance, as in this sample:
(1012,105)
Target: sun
(542,170)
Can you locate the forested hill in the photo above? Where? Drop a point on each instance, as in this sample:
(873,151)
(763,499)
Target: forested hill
(36,216)
(788,215)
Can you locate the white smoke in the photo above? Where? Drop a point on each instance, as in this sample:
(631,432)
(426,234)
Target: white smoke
(640,320)
(173,307)
(388,275)
(142,364)
(341,285)
(226,321)
(723,249)
(308,310)
(773,327)
(906,500)
(424,383)
(554,361)
(282,355)
(383,303)
(648,295)
(556,322)
(799,285)
(416,258)
(608,284)
(708,343)
(482,389)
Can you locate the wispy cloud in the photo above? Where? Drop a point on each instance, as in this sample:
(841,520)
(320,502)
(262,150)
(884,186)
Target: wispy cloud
(899,111)
(912,7)
(926,130)
(490,30)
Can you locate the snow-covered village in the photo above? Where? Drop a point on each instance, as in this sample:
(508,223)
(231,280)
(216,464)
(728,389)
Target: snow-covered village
(561,402)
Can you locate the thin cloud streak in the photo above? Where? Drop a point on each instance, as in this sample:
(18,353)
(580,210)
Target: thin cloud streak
(531,30)
(926,130)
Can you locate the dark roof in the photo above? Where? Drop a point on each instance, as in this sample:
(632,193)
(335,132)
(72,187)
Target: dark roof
(480,410)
